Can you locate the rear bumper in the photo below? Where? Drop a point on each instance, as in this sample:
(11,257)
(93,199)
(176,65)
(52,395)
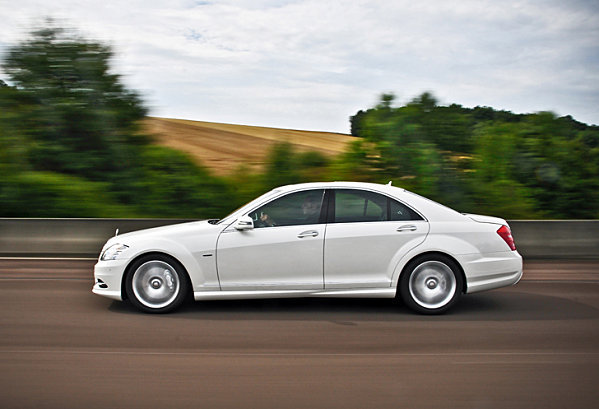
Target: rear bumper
(488,271)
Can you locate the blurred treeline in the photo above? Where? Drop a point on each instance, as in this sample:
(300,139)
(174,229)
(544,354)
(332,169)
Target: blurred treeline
(481,160)
(70,143)
(71,146)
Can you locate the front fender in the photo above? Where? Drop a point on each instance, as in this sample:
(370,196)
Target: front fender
(199,275)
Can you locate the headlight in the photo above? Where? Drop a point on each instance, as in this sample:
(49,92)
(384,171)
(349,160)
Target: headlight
(112,252)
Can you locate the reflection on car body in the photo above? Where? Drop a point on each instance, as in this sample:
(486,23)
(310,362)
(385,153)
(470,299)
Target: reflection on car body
(337,239)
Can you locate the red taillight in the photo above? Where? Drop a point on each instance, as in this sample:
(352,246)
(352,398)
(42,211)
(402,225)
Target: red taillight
(506,235)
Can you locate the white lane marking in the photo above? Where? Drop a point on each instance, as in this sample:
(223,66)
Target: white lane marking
(299,354)
(554,362)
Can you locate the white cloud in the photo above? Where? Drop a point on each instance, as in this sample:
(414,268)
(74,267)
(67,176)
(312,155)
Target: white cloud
(311,64)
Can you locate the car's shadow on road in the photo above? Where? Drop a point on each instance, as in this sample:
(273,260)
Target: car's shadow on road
(503,304)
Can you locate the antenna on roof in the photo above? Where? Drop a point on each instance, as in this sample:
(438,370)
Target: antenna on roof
(390,183)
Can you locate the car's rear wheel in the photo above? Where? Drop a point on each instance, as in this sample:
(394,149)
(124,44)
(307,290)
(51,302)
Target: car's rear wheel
(431,284)
(156,284)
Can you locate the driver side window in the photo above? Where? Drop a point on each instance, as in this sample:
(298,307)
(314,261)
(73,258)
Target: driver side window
(290,210)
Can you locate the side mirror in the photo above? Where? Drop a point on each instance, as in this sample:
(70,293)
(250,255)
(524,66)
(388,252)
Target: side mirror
(244,223)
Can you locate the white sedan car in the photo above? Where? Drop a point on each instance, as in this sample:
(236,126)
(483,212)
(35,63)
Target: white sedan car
(339,239)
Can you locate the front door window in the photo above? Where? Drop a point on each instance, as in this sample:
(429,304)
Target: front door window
(291,210)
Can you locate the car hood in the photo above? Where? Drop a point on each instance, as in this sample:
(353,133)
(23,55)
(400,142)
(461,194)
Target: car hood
(486,219)
(164,231)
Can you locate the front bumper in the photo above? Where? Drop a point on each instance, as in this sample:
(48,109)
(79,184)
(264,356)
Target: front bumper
(108,276)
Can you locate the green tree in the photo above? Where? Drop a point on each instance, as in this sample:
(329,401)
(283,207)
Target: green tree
(386,100)
(285,166)
(79,118)
(171,185)
(480,159)
(281,166)
(70,142)
(356,123)
(495,189)
(47,194)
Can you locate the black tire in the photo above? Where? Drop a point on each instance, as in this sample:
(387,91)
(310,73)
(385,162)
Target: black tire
(431,284)
(156,283)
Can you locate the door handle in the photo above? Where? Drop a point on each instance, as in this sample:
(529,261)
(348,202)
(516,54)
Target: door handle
(407,227)
(309,233)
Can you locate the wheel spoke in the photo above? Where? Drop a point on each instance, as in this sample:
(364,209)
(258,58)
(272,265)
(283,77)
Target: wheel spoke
(155,284)
(432,284)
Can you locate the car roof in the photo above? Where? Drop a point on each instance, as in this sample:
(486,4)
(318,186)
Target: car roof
(340,184)
(431,209)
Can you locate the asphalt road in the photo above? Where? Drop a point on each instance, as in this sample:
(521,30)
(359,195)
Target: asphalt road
(532,345)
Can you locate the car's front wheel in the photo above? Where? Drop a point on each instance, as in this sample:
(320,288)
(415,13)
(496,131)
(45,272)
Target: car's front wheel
(156,284)
(431,284)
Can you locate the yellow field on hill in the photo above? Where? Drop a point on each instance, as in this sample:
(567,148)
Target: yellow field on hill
(224,147)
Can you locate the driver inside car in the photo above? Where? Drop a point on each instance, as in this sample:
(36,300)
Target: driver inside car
(310,213)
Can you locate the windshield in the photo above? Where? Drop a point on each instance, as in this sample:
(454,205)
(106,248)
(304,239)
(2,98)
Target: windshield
(248,206)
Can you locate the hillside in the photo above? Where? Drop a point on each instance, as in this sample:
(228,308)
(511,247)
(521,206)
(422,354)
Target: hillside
(224,147)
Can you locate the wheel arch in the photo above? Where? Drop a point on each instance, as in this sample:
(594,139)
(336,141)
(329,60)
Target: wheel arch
(427,254)
(150,253)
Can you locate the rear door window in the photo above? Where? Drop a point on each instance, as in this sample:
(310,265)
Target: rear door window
(354,206)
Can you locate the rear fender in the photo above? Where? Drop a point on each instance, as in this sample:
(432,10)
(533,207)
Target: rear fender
(444,244)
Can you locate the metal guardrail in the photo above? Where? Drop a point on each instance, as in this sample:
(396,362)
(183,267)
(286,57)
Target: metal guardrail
(84,238)
(77,238)
(556,239)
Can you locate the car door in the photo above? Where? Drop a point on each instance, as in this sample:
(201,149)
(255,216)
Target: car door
(284,249)
(366,237)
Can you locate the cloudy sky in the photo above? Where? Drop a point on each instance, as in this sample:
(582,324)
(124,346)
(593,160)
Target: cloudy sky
(310,64)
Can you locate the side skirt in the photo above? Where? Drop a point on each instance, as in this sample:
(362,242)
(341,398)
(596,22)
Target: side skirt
(388,292)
